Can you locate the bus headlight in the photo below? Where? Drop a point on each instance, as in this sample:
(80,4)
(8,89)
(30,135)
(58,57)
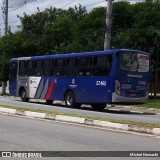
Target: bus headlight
(117,87)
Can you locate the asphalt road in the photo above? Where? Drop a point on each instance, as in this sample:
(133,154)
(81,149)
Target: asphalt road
(23,134)
(125,115)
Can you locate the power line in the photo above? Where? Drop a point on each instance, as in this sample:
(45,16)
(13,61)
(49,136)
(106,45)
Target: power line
(95,3)
(84,5)
(18,6)
(10,22)
(6,7)
(15,5)
(68,4)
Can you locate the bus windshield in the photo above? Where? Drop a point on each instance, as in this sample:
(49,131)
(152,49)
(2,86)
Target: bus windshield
(135,62)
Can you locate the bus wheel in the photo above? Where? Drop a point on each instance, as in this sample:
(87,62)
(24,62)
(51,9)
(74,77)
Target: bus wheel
(98,107)
(69,99)
(49,102)
(24,96)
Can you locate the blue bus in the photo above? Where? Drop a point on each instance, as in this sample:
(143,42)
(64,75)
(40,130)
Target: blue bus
(95,78)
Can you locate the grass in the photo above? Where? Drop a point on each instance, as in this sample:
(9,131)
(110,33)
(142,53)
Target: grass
(152,103)
(141,124)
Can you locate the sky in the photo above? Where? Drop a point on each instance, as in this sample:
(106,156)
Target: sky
(17,7)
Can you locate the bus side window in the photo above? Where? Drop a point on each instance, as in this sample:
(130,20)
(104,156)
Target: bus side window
(85,66)
(52,68)
(60,65)
(46,67)
(102,65)
(30,68)
(71,67)
(39,68)
(22,68)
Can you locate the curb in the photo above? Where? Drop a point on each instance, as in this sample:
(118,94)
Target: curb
(85,121)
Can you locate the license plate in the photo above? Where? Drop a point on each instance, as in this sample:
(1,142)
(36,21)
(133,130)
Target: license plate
(133,94)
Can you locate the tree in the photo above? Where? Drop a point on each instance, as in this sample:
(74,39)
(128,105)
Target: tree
(9,47)
(143,34)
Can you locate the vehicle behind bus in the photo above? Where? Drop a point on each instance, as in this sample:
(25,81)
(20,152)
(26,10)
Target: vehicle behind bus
(94,78)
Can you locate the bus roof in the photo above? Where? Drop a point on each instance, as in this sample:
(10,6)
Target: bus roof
(75,54)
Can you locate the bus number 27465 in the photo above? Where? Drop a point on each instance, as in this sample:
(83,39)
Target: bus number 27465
(100,83)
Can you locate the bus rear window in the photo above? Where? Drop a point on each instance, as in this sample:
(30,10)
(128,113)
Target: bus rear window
(135,62)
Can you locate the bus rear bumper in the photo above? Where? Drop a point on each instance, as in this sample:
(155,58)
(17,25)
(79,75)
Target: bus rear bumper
(118,99)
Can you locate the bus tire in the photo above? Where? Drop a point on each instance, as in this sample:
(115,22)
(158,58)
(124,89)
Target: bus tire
(70,99)
(24,97)
(49,102)
(98,107)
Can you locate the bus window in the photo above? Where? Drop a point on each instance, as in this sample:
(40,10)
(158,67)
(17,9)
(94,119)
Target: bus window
(102,65)
(60,64)
(51,69)
(30,68)
(85,66)
(47,68)
(85,61)
(13,65)
(71,67)
(73,62)
(39,64)
(52,63)
(22,68)
(39,68)
(134,62)
(22,64)
(30,64)
(46,63)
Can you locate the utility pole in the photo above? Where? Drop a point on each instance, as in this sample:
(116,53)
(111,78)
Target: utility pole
(0,30)
(6,17)
(107,39)
(5,5)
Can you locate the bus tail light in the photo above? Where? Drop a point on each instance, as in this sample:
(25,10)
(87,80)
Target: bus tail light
(117,87)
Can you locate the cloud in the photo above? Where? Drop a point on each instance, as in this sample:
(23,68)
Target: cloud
(19,7)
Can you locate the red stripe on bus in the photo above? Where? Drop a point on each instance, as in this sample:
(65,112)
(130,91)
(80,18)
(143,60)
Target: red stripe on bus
(50,89)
